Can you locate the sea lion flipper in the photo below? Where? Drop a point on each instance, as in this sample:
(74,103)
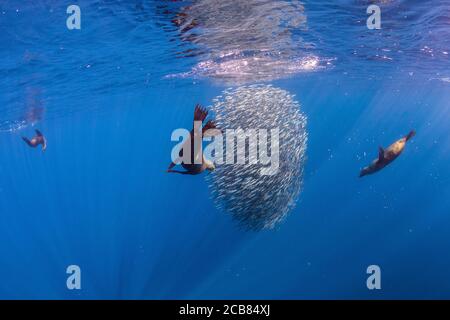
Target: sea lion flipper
(200,113)
(38,133)
(209,125)
(177,171)
(380,154)
(171,165)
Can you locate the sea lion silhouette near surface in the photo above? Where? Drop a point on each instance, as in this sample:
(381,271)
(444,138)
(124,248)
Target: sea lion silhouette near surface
(386,156)
(37,140)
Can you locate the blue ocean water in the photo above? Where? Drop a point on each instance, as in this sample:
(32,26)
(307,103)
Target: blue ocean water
(108,96)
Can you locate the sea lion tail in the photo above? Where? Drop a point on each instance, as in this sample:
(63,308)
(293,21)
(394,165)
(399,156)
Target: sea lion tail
(365,171)
(411,134)
(362,173)
(27,141)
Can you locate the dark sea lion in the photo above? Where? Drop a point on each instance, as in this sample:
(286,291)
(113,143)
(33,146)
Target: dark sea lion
(38,139)
(386,156)
(195,167)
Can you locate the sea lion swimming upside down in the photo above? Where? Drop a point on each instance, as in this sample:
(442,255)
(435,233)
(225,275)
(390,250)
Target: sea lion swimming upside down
(386,156)
(38,139)
(197,162)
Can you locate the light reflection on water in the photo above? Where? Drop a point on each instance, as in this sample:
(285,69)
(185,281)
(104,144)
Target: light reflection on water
(142,46)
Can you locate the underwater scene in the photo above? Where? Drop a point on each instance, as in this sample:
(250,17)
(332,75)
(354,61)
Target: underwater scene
(225,149)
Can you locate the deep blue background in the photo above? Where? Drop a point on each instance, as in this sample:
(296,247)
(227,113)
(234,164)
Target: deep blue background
(99,196)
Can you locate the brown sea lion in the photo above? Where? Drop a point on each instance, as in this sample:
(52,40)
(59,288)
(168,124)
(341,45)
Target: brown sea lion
(195,167)
(38,139)
(386,156)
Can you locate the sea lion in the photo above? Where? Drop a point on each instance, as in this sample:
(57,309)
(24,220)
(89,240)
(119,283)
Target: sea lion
(195,167)
(386,156)
(38,139)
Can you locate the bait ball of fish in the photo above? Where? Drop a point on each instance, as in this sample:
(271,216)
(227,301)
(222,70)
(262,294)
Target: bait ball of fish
(260,201)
